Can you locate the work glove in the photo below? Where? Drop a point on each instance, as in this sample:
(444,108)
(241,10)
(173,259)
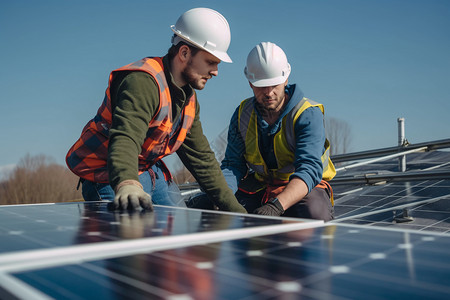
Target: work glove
(131,196)
(272,208)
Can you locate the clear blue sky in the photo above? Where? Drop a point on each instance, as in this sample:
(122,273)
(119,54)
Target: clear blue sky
(369,62)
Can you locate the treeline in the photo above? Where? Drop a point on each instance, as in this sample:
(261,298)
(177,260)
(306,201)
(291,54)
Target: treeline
(37,179)
(180,174)
(337,131)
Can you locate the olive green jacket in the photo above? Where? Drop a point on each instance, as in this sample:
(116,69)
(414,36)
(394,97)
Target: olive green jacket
(134,100)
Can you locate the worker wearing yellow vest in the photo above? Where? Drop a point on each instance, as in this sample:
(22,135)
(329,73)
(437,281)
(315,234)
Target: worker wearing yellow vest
(150,110)
(277,157)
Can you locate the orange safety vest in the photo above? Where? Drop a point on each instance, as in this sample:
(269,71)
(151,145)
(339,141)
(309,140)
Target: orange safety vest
(87,158)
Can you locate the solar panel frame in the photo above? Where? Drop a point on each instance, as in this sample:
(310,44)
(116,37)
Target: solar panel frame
(331,255)
(82,250)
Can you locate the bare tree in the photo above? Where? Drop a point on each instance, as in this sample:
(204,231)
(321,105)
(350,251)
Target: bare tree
(181,175)
(219,144)
(338,132)
(37,179)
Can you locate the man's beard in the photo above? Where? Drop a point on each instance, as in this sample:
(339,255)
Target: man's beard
(190,78)
(265,109)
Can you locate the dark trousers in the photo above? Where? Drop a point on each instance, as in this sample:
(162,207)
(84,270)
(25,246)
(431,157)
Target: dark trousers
(316,205)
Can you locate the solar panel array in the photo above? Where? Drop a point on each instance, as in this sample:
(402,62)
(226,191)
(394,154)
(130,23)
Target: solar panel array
(83,251)
(390,239)
(420,203)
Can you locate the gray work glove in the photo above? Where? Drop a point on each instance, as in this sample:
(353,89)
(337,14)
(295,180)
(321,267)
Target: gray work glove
(272,208)
(131,196)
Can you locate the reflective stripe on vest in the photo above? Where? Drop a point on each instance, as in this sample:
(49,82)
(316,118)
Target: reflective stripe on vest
(284,143)
(88,156)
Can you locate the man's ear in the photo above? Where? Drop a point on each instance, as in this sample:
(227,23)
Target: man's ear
(184,52)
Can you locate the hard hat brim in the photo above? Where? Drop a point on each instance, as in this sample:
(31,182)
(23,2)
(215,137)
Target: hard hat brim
(223,56)
(268,82)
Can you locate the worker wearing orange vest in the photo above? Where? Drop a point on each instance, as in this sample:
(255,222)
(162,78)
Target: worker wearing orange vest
(277,157)
(150,110)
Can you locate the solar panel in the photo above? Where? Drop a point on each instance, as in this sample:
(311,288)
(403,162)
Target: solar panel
(418,199)
(26,227)
(83,251)
(390,239)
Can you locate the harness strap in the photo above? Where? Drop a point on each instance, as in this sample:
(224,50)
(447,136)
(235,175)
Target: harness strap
(327,187)
(167,175)
(250,185)
(273,191)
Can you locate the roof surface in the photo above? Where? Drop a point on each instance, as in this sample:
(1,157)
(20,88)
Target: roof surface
(390,239)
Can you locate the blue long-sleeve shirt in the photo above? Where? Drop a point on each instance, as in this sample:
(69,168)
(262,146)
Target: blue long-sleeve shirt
(309,137)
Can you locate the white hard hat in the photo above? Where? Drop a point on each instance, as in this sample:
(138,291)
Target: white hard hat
(206,29)
(267,65)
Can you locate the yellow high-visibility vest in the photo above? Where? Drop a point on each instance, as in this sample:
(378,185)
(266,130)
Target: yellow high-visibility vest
(284,143)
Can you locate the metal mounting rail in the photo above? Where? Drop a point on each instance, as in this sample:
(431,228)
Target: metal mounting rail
(392,177)
(433,145)
(383,158)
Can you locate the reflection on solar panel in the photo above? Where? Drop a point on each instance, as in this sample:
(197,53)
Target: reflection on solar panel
(377,194)
(390,239)
(82,250)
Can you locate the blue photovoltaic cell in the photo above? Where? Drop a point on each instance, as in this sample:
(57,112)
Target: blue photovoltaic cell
(426,201)
(332,261)
(389,240)
(29,227)
(329,262)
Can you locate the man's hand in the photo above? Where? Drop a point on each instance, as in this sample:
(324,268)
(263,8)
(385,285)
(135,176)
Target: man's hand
(272,208)
(131,196)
